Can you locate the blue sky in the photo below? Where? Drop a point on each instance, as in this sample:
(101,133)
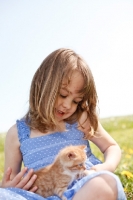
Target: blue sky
(100,31)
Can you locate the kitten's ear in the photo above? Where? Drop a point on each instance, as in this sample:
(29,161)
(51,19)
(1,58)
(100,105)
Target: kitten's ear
(71,155)
(82,146)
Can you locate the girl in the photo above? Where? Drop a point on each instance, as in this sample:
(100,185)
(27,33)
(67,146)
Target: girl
(62,112)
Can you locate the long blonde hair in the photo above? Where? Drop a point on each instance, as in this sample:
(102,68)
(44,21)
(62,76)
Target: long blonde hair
(46,84)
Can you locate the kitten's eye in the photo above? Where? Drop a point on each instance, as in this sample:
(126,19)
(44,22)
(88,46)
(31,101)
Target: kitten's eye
(81,164)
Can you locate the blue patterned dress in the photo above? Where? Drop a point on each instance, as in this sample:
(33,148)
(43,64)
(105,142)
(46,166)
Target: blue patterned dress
(40,151)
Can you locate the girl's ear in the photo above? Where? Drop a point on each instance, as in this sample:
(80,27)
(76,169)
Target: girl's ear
(71,155)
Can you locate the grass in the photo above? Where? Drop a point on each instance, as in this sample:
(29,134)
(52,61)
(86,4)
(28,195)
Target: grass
(121,129)
(2,140)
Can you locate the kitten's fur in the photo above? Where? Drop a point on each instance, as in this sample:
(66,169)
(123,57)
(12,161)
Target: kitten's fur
(55,178)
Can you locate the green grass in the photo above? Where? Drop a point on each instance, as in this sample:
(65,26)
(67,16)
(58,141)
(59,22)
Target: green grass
(2,140)
(121,129)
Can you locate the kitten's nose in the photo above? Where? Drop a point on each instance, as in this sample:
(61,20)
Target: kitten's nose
(84,168)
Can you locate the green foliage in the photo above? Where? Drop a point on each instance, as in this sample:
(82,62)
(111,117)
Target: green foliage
(2,140)
(121,129)
(118,123)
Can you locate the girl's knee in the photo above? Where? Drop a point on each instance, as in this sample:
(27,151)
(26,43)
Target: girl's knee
(101,187)
(108,185)
(109,180)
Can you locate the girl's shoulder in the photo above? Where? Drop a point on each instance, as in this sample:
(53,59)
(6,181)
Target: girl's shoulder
(12,132)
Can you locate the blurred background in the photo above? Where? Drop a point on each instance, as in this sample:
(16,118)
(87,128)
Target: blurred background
(100,31)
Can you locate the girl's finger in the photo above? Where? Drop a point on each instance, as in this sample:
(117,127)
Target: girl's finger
(6,177)
(26,180)
(34,189)
(30,183)
(17,179)
(7,174)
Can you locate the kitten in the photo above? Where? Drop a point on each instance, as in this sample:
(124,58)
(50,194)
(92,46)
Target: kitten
(68,166)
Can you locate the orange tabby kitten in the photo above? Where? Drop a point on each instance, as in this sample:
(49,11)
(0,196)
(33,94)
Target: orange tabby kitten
(55,178)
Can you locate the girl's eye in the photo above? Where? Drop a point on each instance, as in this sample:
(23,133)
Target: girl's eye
(63,96)
(75,102)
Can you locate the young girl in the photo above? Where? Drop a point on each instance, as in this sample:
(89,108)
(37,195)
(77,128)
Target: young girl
(62,112)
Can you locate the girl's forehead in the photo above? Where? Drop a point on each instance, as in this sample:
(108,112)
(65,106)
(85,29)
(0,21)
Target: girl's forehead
(75,82)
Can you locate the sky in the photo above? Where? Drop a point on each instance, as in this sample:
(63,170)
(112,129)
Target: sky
(101,31)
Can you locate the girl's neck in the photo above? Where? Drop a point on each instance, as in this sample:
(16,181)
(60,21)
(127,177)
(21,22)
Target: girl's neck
(36,133)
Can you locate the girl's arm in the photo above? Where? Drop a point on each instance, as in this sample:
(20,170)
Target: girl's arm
(110,149)
(13,176)
(106,144)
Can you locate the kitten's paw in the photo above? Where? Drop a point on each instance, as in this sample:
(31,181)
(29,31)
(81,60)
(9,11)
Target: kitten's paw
(79,176)
(64,198)
(84,173)
(88,172)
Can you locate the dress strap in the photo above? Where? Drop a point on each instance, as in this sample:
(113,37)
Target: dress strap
(23,130)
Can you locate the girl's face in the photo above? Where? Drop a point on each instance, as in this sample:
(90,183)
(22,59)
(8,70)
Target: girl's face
(69,96)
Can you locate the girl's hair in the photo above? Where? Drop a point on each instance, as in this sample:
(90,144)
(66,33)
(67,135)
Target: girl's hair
(45,87)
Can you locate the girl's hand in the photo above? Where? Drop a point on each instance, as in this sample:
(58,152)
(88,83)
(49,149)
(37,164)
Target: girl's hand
(99,167)
(20,181)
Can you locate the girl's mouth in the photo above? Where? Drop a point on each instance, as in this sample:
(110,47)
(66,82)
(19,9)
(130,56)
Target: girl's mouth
(60,113)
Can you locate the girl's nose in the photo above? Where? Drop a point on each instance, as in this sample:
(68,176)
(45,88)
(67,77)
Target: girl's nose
(67,103)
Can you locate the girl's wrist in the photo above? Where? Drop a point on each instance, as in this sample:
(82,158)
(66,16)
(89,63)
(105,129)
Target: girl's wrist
(103,166)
